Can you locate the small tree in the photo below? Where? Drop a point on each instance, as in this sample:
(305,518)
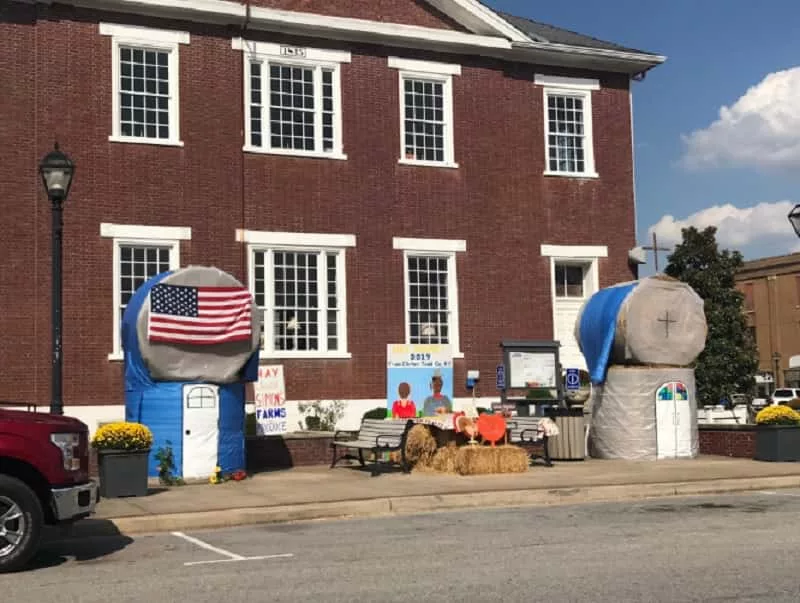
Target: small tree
(729,361)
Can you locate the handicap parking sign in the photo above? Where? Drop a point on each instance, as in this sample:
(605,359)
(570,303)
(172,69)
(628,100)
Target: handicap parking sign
(573,379)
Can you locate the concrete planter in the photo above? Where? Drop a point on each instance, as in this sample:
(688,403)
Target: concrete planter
(778,443)
(123,472)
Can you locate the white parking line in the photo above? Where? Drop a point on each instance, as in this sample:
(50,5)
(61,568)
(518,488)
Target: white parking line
(771,493)
(231,557)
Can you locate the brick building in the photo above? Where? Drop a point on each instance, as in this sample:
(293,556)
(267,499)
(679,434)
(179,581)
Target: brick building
(369,149)
(771,289)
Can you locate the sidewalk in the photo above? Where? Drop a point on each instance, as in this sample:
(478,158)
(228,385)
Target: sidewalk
(322,493)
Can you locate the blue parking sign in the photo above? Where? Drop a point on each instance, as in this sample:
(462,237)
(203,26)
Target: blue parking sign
(573,379)
(501,377)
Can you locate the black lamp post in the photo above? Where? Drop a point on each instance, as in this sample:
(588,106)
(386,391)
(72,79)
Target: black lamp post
(57,170)
(794,218)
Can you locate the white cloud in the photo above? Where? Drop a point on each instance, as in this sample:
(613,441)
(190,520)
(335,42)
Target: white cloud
(736,227)
(761,129)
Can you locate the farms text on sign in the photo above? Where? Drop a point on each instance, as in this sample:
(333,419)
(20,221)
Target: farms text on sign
(270,400)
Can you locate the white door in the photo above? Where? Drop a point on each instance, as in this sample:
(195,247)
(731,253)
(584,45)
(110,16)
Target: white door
(200,429)
(683,429)
(572,286)
(665,429)
(566,314)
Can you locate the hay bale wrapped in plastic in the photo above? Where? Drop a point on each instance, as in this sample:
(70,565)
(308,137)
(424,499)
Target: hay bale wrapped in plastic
(654,321)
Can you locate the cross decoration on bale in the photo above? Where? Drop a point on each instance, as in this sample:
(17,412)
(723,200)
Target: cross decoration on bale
(667,320)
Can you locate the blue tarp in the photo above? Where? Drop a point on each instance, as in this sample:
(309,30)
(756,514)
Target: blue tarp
(598,326)
(159,404)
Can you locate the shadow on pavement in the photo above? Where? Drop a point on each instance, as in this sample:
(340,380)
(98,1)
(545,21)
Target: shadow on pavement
(91,542)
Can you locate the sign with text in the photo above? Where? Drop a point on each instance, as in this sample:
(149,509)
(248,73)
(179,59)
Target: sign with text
(270,400)
(419,378)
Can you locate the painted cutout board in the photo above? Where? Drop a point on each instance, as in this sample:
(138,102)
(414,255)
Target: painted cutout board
(419,379)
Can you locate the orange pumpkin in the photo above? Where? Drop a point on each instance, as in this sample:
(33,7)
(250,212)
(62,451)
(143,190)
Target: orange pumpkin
(492,428)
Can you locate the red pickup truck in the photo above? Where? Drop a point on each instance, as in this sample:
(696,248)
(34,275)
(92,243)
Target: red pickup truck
(44,480)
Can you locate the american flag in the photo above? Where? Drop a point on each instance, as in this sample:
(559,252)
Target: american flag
(199,315)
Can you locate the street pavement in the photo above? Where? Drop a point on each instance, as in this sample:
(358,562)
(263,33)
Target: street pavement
(715,548)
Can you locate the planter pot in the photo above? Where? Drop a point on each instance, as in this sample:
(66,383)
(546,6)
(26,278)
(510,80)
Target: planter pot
(778,443)
(123,472)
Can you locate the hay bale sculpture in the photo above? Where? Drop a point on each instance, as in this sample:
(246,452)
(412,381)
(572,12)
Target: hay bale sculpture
(184,373)
(466,459)
(639,340)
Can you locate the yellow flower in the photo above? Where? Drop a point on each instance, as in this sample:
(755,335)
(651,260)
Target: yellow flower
(778,415)
(122,435)
(217,469)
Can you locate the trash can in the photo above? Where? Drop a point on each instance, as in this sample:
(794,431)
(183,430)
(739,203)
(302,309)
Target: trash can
(570,443)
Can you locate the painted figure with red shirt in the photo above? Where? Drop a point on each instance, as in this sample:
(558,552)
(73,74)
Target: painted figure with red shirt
(404,408)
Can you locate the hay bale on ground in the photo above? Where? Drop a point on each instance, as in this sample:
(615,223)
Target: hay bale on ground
(444,460)
(420,446)
(482,460)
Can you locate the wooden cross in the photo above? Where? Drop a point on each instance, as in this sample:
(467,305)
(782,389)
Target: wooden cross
(667,321)
(655,249)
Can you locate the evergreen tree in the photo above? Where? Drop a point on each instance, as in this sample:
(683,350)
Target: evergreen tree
(729,361)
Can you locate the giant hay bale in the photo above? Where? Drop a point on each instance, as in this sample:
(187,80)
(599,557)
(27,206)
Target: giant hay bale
(660,321)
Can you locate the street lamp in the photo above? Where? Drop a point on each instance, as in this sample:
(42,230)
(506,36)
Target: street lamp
(57,170)
(794,218)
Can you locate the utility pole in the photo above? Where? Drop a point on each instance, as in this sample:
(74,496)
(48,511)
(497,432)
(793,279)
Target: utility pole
(655,249)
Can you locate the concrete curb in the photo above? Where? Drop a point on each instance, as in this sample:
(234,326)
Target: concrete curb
(403,505)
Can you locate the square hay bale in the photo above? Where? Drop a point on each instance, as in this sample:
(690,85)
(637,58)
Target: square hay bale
(481,460)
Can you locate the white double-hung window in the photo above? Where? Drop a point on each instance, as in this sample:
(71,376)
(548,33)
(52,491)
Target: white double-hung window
(293,99)
(569,144)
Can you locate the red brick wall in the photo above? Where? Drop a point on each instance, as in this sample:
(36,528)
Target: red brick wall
(408,12)
(735,442)
(497,199)
(277,452)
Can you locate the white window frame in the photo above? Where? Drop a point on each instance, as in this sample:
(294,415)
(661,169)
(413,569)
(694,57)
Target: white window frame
(316,58)
(584,255)
(149,39)
(269,242)
(131,234)
(581,88)
(443,248)
(442,73)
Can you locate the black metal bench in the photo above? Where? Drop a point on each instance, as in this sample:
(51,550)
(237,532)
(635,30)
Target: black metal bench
(525,430)
(376,436)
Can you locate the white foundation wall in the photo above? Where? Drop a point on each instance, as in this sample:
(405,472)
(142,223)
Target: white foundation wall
(94,416)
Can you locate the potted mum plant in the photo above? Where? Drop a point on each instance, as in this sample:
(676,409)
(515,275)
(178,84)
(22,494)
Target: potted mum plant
(778,434)
(123,451)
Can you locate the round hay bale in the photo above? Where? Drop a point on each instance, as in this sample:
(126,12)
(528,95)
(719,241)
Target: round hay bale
(660,322)
(420,445)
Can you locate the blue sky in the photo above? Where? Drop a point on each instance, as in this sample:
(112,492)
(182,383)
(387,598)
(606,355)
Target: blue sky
(740,172)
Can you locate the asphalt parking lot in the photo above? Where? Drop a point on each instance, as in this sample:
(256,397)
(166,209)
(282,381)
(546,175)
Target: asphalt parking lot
(732,548)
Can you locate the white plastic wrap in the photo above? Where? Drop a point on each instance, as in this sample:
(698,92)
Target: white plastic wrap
(661,322)
(219,363)
(625,419)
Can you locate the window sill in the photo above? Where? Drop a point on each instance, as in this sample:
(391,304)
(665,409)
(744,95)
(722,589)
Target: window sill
(440,164)
(294,153)
(116,356)
(152,141)
(304,355)
(587,175)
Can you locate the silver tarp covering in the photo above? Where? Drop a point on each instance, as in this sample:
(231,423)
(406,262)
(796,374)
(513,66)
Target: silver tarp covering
(626,424)
(218,363)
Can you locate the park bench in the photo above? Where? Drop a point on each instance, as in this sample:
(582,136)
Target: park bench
(525,430)
(376,436)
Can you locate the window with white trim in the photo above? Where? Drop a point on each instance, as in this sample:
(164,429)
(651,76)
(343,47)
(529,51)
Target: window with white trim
(569,145)
(140,253)
(569,280)
(145,104)
(293,95)
(302,294)
(426,111)
(431,290)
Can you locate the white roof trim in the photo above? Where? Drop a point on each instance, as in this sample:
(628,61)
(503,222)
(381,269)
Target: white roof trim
(424,66)
(294,239)
(431,245)
(269,49)
(569,83)
(478,18)
(144,34)
(135,231)
(575,251)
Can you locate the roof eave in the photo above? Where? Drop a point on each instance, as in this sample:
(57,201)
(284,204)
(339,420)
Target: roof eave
(600,59)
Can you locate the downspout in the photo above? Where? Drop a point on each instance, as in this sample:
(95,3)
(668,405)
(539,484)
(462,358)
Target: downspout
(245,25)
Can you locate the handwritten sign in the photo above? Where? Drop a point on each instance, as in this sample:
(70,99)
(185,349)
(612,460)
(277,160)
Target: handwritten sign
(270,400)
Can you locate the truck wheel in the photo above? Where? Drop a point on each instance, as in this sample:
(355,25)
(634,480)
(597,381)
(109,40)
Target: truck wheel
(21,521)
